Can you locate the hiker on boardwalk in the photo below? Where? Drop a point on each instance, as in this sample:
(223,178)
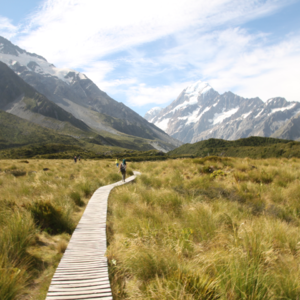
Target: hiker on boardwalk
(75,159)
(123,169)
(117,162)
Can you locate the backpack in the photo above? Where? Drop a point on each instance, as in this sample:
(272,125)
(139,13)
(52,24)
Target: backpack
(123,168)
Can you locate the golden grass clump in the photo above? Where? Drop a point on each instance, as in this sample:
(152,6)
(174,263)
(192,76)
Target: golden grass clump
(207,228)
(41,202)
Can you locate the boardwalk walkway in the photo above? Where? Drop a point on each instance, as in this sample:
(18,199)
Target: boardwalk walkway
(83,272)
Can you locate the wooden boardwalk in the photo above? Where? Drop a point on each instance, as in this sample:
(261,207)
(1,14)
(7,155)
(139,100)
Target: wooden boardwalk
(83,271)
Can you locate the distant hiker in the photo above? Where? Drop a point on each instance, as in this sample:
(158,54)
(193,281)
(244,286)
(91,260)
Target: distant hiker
(75,159)
(117,162)
(78,157)
(123,169)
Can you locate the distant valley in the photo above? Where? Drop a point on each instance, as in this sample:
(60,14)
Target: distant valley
(42,104)
(70,104)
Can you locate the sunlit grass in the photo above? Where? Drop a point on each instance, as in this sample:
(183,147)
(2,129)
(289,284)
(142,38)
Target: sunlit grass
(209,228)
(41,202)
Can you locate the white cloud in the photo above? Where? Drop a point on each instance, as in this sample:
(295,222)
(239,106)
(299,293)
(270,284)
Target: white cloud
(244,63)
(141,94)
(78,32)
(85,34)
(257,70)
(7,29)
(119,82)
(97,71)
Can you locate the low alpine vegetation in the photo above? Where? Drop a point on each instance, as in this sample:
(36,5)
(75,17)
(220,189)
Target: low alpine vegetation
(209,228)
(41,202)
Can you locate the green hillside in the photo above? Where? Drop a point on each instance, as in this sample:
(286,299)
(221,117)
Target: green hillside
(254,147)
(17,132)
(21,138)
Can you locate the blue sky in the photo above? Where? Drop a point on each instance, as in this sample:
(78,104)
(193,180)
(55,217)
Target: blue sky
(144,53)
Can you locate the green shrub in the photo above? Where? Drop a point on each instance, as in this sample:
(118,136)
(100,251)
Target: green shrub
(170,202)
(16,173)
(199,161)
(257,206)
(245,279)
(287,283)
(13,282)
(218,173)
(187,286)
(261,177)
(240,176)
(154,182)
(146,264)
(76,197)
(206,169)
(284,178)
(200,286)
(86,188)
(145,180)
(282,213)
(129,172)
(114,177)
(53,220)
(17,236)
(213,158)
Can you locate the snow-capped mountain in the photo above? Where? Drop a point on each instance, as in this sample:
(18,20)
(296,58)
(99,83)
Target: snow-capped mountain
(20,59)
(200,113)
(152,113)
(78,95)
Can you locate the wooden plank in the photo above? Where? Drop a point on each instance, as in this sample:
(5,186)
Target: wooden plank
(83,270)
(72,288)
(83,285)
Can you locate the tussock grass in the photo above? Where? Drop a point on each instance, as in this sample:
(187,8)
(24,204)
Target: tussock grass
(184,232)
(61,246)
(76,197)
(41,202)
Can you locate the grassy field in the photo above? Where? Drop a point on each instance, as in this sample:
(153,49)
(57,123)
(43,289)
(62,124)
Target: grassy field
(41,202)
(204,228)
(207,228)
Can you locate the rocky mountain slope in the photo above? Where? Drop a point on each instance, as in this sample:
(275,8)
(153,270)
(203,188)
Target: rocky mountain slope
(19,98)
(290,130)
(200,113)
(22,100)
(78,95)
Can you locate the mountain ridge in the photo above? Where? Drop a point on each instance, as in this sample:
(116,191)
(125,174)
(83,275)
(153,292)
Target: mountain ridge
(77,94)
(200,113)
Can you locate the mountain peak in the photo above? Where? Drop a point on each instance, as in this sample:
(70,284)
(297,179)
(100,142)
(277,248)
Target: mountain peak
(154,109)
(152,113)
(6,47)
(200,112)
(198,87)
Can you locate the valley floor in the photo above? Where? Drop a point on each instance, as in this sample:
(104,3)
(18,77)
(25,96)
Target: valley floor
(41,202)
(207,228)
